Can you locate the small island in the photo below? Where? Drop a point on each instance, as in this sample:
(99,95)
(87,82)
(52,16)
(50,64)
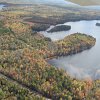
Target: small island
(60,28)
(74,43)
(97,24)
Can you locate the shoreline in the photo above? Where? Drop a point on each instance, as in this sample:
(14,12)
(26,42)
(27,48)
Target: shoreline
(73,50)
(55,20)
(61,21)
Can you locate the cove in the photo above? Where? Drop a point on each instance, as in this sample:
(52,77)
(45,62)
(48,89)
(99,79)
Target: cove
(85,64)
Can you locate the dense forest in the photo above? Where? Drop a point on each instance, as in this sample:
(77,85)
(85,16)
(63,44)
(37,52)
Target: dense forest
(24,71)
(22,58)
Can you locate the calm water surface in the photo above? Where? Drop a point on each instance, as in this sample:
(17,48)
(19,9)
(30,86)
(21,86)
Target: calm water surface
(85,64)
(1,6)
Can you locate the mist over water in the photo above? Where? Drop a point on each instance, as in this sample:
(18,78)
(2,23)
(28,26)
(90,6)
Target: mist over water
(82,65)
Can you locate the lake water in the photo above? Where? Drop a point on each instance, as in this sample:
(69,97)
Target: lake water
(85,64)
(1,6)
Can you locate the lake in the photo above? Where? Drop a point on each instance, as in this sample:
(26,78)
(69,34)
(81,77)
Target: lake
(85,64)
(1,6)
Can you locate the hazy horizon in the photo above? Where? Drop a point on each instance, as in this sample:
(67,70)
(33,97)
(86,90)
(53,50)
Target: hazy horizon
(85,2)
(80,2)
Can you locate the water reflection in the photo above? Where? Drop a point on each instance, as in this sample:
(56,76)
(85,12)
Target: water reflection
(85,64)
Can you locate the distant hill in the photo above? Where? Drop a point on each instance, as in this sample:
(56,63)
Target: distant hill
(86,2)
